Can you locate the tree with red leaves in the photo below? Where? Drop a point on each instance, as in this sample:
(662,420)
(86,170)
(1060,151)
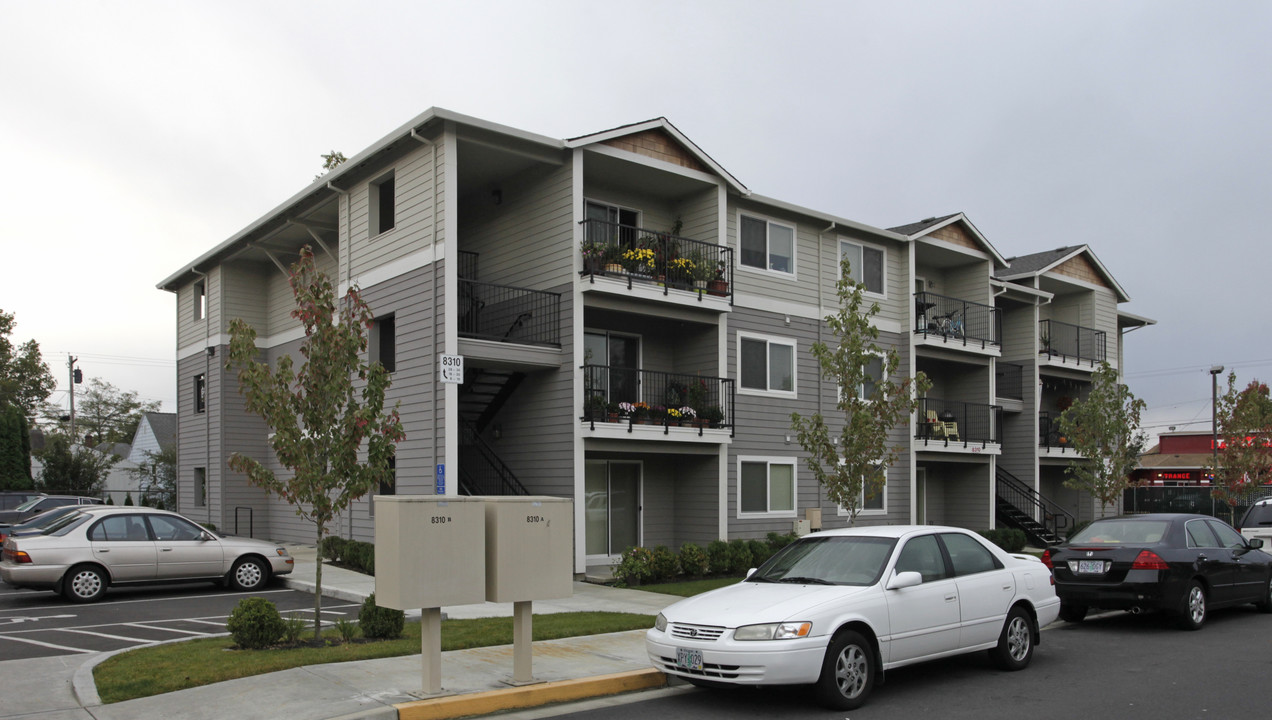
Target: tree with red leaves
(1244,420)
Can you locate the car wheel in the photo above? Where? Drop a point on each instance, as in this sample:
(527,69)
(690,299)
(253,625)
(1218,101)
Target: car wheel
(1015,643)
(1265,605)
(1072,613)
(249,574)
(84,584)
(848,672)
(1193,613)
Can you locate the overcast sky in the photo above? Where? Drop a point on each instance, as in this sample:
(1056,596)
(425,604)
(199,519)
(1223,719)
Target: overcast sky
(139,135)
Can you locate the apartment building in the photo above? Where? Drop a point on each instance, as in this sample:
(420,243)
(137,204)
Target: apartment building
(635,327)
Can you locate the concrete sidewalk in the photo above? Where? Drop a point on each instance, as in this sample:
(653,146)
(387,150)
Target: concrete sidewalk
(474,681)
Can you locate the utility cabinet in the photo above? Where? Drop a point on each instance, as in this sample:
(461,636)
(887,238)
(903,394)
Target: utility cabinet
(430,551)
(529,548)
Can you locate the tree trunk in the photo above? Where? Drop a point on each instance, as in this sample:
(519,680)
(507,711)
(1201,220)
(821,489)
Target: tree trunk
(318,591)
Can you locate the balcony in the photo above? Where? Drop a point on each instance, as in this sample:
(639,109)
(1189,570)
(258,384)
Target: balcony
(637,256)
(1050,440)
(947,320)
(507,314)
(661,401)
(1062,343)
(1009,381)
(957,425)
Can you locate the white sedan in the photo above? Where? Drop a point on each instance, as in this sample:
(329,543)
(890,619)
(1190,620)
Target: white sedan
(838,608)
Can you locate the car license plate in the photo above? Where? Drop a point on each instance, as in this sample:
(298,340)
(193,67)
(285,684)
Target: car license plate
(1091,567)
(689,659)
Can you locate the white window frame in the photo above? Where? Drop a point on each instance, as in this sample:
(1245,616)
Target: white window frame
(769,461)
(768,255)
(883,280)
(200,300)
(769,340)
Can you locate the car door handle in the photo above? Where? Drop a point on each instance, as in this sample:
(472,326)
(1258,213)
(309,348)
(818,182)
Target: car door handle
(1201,556)
(165,549)
(951,598)
(1007,588)
(104,550)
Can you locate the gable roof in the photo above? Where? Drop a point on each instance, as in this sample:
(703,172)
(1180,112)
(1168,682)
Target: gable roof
(164,426)
(653,129)
(927,227)
(1035,264)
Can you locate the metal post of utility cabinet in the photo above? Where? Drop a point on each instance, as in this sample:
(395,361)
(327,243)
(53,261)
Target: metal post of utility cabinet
(522,639)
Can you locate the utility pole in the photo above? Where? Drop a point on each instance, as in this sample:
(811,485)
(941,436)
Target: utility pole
(75,377)
(1214,419)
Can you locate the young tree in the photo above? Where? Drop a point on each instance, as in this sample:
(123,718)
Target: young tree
(1244,426)
(331,161)
(25,380)
(15,449)
(72,470)
(1104,429)
(860,460)
(109,414)
(323,415)
(157,479)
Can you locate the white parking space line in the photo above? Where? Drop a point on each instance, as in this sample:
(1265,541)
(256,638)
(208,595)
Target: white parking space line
(144,626)
(201,622)
(98,634)
(44,644)
(176,598)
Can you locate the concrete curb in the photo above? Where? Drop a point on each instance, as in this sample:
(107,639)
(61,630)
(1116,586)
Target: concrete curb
(518,698)
(306,586)
(85,687)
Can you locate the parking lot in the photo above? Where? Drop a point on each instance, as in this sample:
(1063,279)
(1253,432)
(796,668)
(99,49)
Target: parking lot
(41,624)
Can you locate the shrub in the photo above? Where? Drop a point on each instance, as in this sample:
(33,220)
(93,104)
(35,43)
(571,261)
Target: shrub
(663,565)
(778,541)
(634,567)
(332,548)
(718,557)
(359,556)
(255,624)
(693,560)
(739,554)
(347,629)
(293,628)
(378,622)
(1009,539)
(760,551)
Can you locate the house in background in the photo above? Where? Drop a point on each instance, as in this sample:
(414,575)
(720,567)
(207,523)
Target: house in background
(576,278)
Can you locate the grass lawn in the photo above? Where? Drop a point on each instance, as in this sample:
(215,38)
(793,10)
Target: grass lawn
(177,666)
(689,587)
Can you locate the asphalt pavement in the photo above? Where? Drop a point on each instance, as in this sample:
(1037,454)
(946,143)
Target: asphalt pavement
(474,681)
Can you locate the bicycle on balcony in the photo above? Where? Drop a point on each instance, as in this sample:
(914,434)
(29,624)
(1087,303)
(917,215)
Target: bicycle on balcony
(949,324)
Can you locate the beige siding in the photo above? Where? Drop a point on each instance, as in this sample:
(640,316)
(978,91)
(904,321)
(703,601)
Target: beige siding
(417,211)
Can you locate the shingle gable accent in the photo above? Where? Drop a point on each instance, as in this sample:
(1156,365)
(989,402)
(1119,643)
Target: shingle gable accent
(956,234)
(1081,268)
(659,145)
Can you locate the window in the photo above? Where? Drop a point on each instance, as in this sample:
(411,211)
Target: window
(767,245)
(200,487)
(382,342)
(1198,535)
(766,486)
(923,556)
(173,529)
(120,528)
(200,393)
(1228,537)
(874,374)
(874,496)
(867,265)
(200,301)
(968,556)
(766,364)
(381,205)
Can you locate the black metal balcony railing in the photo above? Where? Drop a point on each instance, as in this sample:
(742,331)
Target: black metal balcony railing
(1049,435)
(955,320)
(973,423)
(1071,342)
(636,397)
(1009,381)
(467,267)
(637,254)
(509,314)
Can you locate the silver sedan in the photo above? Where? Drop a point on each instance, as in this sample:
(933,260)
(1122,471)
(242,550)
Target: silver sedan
(85,552)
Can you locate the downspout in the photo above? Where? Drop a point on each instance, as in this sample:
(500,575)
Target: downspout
(437,387)
(207,385)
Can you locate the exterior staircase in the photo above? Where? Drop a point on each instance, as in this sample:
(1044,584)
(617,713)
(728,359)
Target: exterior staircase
(1019,506)
(481,470)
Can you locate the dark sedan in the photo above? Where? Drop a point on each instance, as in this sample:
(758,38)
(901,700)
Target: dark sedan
(1182,564)
(41,503)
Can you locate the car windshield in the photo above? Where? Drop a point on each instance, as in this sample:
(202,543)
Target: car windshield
(834,560)
(1259,515)
(1121,532)
(28,504)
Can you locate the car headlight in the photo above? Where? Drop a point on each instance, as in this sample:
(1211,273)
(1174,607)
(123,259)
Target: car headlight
(773,631)
(282,552)
(660,623)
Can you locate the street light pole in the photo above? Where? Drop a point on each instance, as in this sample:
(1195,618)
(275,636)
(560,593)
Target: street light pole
(1215,370)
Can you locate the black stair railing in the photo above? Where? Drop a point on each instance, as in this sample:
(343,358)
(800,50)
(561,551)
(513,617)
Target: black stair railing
(1037,515)
(509,314)
(481,472)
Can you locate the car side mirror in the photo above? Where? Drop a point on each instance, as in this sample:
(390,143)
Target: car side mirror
(1255,543)
(206,536)
(751,572)
(904,580)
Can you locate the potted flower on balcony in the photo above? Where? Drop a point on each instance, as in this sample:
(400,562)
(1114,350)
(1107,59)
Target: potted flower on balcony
(593,257)
(703,271)
(639,261)
(595,408)
(613,259)
(712,416)
(681,415)
(626,410)
(612,411)
(718,285)
(680,271)
(640,413)
(657,414)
